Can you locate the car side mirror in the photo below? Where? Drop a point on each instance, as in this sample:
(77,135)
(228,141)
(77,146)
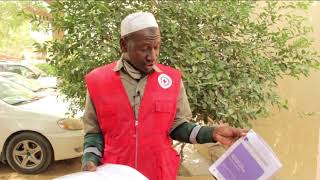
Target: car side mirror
(32,76)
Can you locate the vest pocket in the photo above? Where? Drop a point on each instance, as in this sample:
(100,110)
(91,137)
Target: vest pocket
(168,161)
(110,156)
(164,106)
(163,115)
(107,118)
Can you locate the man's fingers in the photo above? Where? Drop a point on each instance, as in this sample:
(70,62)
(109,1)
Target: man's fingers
(225,140)
(227,135)
(243,132)
(238,132)
(90,166)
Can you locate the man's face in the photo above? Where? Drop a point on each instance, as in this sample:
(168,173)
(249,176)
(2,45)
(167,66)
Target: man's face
(142,48)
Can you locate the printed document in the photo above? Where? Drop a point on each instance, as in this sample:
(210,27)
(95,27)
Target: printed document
(249,158)
(107,172)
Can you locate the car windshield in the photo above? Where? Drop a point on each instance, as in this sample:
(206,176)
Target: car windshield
(36,70)
(27,83)
(13,94)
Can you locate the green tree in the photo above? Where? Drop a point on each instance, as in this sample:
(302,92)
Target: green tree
(15,28)
(16,24)
(230,53)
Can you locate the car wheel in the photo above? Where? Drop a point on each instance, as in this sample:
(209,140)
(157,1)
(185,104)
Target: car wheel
(29,153)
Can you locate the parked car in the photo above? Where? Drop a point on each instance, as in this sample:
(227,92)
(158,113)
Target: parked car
(34,131)
(28,71)
(30,84)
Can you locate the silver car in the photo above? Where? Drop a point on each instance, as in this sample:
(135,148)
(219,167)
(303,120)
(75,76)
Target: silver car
(28,71)
(30,84)
(34,131)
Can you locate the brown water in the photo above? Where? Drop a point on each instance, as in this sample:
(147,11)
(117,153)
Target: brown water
(293,136)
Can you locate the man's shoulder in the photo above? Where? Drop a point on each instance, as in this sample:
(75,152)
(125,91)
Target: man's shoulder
(166,68)
(103,68)
(100,74)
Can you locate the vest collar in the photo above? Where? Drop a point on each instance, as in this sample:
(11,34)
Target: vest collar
(120,64)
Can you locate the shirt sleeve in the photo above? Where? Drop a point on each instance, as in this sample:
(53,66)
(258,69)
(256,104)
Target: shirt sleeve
(183,113)
(90,120)
(183,132)
(93,140)
(93,148)
(182,129)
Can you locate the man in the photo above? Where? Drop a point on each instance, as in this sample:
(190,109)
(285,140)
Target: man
(135,107)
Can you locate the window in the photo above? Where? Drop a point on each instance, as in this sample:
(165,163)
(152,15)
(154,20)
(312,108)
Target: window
(21,70)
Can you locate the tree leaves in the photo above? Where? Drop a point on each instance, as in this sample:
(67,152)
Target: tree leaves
(14,28)
(230,53)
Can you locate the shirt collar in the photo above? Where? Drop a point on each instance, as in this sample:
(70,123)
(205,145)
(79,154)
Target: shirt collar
(119,66)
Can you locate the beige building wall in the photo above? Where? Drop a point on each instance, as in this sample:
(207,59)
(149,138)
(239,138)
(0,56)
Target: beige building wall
(294,136)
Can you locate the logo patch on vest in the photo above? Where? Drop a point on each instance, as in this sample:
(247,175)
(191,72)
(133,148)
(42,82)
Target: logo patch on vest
(164,81)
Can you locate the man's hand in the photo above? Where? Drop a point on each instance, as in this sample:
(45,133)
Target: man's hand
(227,135)
(90,166)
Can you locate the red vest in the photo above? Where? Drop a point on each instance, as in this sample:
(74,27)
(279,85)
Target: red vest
(145,145)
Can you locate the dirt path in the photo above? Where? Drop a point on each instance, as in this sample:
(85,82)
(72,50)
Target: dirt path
(61,168)
(57,169)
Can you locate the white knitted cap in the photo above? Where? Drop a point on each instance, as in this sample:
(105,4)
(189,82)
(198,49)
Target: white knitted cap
(137,21)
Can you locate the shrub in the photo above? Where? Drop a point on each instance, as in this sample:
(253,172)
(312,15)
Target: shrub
(47,68)
(231,53)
